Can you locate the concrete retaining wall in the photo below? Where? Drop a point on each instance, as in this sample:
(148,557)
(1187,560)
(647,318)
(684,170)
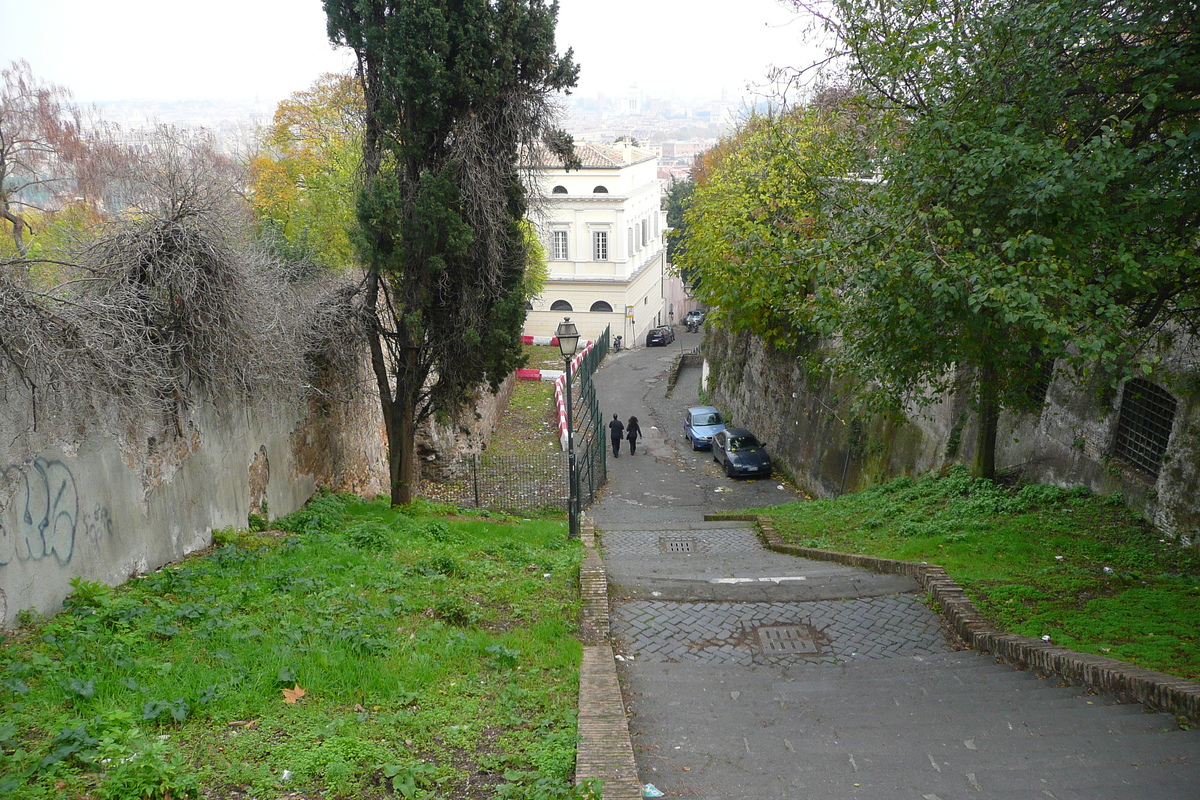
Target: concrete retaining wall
(810,426)
(85,501)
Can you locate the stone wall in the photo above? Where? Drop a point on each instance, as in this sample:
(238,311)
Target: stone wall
(810,427)
(439,445)
(84,500)
(89,501)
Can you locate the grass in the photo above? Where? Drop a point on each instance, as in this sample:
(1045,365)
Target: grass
(366,652)
(529,425)
(1038,560)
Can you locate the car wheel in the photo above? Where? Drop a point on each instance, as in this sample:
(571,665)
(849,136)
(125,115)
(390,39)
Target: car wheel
(729,473)
(694,445)
(716,459)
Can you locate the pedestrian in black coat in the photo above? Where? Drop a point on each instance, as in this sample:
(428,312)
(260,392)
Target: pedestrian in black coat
(616,429)
(632,432)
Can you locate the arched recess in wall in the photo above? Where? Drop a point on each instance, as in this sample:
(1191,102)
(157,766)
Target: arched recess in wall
(600,190)
(600,305)
(559,190)
(561,305)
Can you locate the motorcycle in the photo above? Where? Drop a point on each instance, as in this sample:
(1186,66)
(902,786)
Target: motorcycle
(616,344)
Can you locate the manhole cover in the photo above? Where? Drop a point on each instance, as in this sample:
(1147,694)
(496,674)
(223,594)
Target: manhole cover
(677,545)
(780,640)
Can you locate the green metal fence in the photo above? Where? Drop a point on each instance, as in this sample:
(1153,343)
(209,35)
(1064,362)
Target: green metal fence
(514,484)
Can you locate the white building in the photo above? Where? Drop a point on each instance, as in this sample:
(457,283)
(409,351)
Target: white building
(604,232)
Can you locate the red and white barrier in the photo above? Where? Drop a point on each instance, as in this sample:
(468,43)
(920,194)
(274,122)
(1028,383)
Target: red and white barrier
(559,377)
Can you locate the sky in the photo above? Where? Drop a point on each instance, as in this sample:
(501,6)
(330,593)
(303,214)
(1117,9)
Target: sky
(263,50)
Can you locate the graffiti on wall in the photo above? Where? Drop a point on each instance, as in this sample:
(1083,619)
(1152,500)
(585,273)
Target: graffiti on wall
(43,517)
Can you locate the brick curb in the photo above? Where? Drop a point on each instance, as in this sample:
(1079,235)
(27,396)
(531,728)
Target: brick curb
(1155,690)
(605,749)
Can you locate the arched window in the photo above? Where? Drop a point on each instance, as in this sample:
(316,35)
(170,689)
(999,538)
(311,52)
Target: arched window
(600,190)
(1144,425)
(600,305)
(561,305)
(559,190)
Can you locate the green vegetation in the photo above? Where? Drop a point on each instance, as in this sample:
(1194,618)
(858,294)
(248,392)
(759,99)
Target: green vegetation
(987,189)
(453,93)
(1036,561)
(529,425)
(365,648)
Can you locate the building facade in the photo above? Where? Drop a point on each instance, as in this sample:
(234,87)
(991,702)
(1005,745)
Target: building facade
(603,229)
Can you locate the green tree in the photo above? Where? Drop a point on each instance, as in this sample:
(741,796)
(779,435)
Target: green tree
(306,176)
(1040,196)
(454,90)
(757,212)
(676,202)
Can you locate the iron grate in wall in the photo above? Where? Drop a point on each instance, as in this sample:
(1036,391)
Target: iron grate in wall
(1144,425)
(1036,394)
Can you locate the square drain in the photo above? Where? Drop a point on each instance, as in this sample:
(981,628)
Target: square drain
(668,545)
(787,640)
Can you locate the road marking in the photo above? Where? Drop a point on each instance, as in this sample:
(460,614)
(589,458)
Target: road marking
(760,580)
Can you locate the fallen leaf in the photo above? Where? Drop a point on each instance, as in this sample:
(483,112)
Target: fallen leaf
(358,707)
(292,695)
(244,723)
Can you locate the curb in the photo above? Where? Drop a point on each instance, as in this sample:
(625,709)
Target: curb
(1155,690)
(605,749)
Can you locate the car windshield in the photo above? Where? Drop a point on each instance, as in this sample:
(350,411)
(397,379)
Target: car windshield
(742,443)
(706,419)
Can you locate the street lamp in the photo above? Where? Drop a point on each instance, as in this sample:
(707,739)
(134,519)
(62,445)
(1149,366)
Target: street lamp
(568,341)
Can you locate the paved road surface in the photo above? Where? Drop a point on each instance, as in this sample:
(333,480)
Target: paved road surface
(756,675)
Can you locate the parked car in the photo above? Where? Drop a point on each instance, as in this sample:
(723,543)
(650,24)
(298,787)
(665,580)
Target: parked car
(741,452)
(661,335)
(694,317)
(699,425)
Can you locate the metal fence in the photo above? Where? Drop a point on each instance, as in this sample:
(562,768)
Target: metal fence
(515,484)
(591,456)
(504,483)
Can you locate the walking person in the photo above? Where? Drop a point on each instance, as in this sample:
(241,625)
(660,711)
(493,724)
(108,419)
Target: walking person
(632,432)
(616,429)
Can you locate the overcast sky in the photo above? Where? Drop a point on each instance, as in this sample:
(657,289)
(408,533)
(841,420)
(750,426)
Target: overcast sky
(106,50)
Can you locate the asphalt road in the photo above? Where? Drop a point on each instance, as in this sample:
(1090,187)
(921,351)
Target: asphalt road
(751,674)
(666,479)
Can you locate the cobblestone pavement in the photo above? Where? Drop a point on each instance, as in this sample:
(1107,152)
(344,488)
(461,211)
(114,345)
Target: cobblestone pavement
(825,632)
(700,542)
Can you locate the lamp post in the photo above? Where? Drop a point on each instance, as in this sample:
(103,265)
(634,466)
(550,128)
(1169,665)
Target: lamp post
(568,341)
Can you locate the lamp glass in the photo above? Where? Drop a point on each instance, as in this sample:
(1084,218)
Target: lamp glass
(568,337)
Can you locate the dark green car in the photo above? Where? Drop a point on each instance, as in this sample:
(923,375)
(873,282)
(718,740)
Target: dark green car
(741,452)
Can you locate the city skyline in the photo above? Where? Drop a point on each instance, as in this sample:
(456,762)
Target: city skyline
(145,50)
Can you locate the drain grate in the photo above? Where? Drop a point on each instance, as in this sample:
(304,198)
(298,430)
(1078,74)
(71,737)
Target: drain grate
(669,545)
(787,640)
